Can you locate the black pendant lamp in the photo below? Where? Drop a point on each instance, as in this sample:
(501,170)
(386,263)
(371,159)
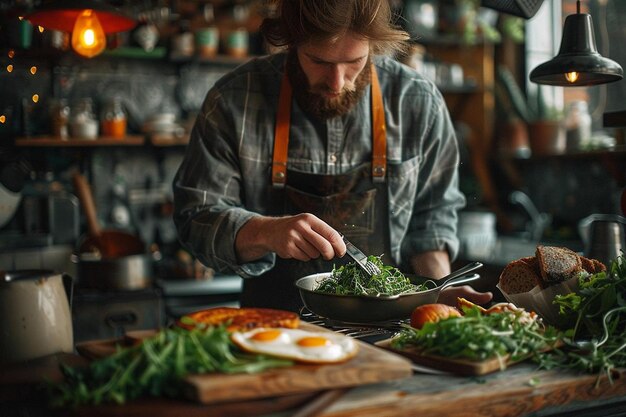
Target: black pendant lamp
(578,62)
(87,21)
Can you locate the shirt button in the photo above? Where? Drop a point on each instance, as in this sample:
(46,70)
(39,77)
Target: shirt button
(332,158)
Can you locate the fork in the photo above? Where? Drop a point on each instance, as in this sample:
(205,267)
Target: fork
(360,258)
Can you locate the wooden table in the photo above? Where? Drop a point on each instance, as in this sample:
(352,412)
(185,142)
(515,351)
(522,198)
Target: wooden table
(521,390)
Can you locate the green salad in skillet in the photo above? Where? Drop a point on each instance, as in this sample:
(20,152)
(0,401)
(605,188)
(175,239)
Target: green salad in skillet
(349,279)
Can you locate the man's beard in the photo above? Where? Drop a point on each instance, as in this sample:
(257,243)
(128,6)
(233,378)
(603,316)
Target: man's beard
(311,99)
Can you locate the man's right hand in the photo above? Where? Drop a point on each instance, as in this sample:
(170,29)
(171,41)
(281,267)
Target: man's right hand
(302,237)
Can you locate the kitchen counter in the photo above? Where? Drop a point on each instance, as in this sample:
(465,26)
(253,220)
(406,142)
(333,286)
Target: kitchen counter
(521,390)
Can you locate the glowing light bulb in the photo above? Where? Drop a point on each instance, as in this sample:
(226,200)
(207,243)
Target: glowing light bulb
(3,118)
(10,68)
(88,38)
(571,77)
(33,70)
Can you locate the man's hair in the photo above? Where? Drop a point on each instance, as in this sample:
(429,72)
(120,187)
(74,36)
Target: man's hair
(299,21)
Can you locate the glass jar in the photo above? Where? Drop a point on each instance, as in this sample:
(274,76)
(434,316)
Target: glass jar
(578,125)
(59,118)
(113,119)
(83,122)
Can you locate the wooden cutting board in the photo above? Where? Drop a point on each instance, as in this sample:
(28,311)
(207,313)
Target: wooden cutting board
(456,366)
(370,365)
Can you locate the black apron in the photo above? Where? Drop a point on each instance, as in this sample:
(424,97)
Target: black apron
(354,203)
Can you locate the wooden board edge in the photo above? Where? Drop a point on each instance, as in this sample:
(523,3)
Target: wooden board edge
(373,365)
(457,366)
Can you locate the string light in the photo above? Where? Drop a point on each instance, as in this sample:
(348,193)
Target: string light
(3,118)
(35,98)
(33,70)
(10,68)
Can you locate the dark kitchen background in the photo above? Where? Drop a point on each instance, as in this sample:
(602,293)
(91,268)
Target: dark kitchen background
(522,189)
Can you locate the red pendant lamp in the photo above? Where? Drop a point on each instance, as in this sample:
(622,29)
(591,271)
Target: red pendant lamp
(88,22)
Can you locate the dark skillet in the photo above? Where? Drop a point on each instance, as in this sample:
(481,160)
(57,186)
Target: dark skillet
(366,308)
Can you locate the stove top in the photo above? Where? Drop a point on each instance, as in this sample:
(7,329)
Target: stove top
(368,332)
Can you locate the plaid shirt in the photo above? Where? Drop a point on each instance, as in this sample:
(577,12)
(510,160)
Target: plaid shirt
(224,178)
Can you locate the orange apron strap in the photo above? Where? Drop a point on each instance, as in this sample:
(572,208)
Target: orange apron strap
(283,120)
(281,135)
(379,134)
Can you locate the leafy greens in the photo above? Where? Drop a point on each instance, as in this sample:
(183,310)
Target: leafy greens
(155,367)
(349,279)
(478,336)
(597,342)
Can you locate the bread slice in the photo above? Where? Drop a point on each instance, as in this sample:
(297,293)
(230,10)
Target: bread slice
(520,276)
(557,264)
(592,266)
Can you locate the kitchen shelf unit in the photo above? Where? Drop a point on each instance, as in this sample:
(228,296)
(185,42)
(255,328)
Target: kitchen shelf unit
(103,141)
(613,160)
(53,142)
(473,105)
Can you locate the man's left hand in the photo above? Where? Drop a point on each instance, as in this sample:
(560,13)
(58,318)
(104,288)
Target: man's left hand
(449,295)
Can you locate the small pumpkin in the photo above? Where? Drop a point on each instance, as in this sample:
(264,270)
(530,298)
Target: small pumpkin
(432,313)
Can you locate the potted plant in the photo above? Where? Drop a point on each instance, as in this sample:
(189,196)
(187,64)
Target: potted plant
(477,24)
(544,122)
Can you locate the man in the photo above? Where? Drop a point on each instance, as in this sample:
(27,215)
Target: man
(327,137)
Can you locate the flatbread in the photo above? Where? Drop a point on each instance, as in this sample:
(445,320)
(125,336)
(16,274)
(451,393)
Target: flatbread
(241,319)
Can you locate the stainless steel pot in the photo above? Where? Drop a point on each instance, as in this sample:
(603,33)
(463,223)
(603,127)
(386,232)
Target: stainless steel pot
(367,309)
(131,272)
(36,318)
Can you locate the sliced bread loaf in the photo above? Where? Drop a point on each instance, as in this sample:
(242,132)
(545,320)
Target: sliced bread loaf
(592,266)
(520,276)
(557,264)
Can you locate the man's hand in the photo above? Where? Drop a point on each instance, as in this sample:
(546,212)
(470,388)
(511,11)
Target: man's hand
(436,264)
(449,295)
(302,237)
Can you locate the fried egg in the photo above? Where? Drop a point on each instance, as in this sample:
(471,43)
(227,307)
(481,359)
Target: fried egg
(297,344)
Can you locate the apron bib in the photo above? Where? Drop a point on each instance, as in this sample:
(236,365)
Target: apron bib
(354,203)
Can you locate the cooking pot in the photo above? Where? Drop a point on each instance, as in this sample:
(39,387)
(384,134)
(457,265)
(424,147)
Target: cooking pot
(106,243)
(35,310)
(109,259)
(368,309)
(131,272)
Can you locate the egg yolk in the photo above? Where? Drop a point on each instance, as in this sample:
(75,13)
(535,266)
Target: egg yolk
(266,335)
(313,341)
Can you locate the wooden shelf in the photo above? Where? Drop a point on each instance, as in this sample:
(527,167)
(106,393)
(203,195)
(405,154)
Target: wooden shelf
(614,152)
(49,141)
(160,141)
(612,160)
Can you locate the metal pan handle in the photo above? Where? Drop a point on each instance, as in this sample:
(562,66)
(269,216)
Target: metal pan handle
(459,272)
(458,280)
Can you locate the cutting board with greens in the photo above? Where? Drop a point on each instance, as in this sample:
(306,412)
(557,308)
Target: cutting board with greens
(475,342)
(219,376)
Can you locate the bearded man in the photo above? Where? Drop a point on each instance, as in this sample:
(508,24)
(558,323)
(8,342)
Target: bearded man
(329,137)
